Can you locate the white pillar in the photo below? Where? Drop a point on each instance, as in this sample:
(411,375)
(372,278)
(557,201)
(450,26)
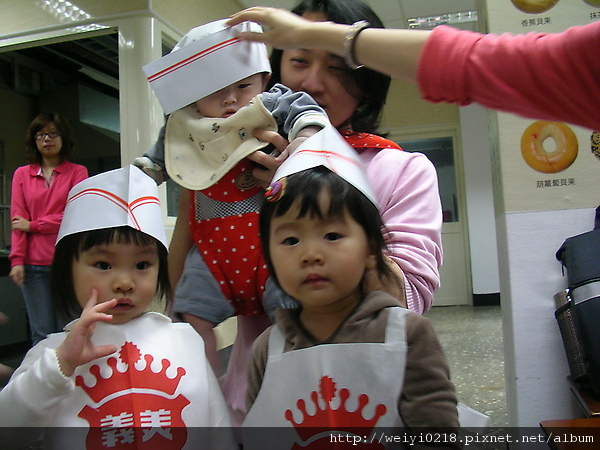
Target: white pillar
(141,114)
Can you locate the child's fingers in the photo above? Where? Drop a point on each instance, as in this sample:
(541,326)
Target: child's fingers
(105,350)
(93,304)
(91,301)
(93,313)
(105,306)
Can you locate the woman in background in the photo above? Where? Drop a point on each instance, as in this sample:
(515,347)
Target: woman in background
(38,199)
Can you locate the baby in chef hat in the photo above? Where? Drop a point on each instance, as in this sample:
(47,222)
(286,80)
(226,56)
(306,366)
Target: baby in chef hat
(211,85)
(210,73)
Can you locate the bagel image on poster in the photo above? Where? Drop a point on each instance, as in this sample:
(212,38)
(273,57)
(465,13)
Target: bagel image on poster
(549,147)
(534,6)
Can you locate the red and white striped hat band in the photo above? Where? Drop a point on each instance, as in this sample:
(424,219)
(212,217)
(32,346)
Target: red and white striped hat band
(121,197)
(329,149)
(207,59)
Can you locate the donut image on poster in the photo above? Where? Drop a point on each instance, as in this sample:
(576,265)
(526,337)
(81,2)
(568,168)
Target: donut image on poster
(595,3)
(549,147)
(534,6)
(595,143)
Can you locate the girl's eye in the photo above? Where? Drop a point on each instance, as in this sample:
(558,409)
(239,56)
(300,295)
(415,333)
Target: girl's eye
(102,265)
(333,236)
(142,265)
(244,85)
(290,241)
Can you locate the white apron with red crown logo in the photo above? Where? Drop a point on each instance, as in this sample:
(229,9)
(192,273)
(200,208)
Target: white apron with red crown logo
(154,393)
(331,395)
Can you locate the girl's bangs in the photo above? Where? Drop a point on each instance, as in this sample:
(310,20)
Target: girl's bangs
(120,235)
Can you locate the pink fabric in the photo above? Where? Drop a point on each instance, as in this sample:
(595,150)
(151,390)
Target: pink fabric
(407,192)
(235,381)
(536,75)
(44,207)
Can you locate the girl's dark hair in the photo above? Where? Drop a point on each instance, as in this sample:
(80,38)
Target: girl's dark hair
(70,247)
(305,187)
(372,86)
(39,123)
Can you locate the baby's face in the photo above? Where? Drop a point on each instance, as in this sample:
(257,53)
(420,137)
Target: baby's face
(230,99)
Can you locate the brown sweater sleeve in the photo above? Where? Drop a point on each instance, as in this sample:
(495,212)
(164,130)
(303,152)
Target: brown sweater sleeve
(257,366)
(428,400)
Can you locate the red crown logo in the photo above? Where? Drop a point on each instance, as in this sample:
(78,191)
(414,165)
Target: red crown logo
(328,418)
(134,408)
(144,379)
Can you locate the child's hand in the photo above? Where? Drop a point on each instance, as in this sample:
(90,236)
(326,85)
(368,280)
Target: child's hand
(267,164)
(77,348)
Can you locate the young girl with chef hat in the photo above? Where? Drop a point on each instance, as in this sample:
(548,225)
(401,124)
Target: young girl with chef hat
(117,375)
(346,361)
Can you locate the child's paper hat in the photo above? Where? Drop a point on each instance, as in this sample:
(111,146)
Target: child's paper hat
(121,197)
(329,149)
(207,59)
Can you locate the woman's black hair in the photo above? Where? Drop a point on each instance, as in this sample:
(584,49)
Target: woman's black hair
(372,86)
(69,249)
(39,123)
(305,187)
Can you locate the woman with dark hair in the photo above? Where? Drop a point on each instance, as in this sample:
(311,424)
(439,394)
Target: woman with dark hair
(367,86)
(38,199)
(405,183)
(445,62)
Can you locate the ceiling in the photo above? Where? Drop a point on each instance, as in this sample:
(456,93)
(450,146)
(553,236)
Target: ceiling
(395,13)
(94,58)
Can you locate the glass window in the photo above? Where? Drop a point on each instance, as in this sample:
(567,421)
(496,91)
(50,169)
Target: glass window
(440,151)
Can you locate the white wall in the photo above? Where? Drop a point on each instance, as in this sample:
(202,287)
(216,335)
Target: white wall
(536,366)
(477,167)
(524,268)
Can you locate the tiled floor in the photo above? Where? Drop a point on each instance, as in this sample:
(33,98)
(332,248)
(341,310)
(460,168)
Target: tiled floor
(472,340)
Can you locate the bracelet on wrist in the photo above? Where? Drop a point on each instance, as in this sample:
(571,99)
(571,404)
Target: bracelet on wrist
(350,43)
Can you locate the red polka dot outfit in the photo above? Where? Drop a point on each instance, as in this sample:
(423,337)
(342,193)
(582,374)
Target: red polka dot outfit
(224,226)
